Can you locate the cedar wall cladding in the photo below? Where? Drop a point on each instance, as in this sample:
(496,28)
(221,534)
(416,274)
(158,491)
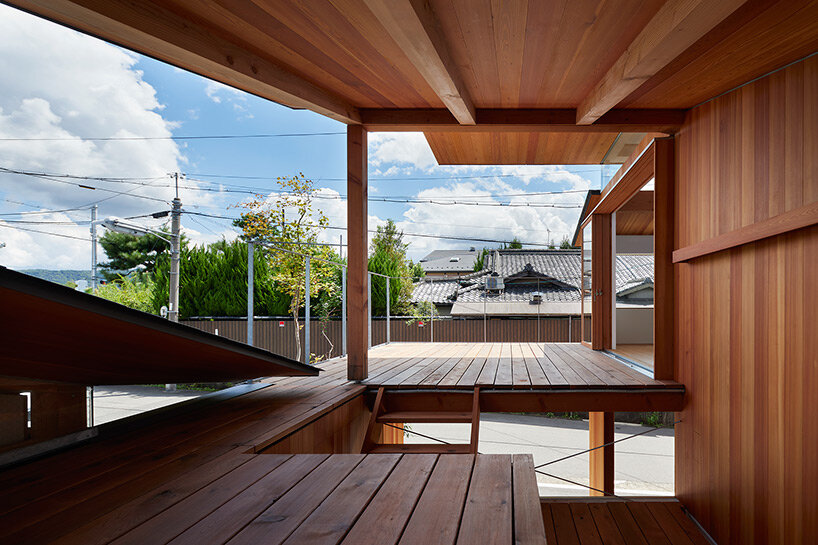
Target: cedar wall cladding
(747,318)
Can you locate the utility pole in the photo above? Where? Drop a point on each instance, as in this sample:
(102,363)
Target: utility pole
(175,228)
(94,248)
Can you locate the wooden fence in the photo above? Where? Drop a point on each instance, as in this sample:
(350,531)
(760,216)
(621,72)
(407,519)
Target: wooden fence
(278,335)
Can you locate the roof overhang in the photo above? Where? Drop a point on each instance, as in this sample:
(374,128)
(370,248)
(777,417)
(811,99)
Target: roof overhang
(51,332)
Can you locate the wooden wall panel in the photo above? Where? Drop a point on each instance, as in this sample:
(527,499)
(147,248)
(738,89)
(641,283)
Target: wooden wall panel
(746,342)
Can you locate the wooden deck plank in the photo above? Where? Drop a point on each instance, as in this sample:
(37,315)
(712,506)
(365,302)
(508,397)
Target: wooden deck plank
(667,522)
(457,372)
(171,522)
(436,517)
(223,523)
(520,377)
(282,518)
(504,375)
(552,374)
(576,378)
(384,520)
(692,531)
(489,372)
(330,521)
(650,528)
(548,521)
(470,376)
(113,524)
(584,523)
(627,525)
(487,517)
(606,525)
(535,372)
(591,373)
(528,518)
(421,369)
(564,528)
(438,374)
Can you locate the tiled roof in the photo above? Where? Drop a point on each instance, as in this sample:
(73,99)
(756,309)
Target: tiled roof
(563,266)
(441,261)
(438,292)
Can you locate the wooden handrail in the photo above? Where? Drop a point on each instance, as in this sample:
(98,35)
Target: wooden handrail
(799,218)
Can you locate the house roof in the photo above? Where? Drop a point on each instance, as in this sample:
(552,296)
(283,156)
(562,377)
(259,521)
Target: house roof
(58,334)
(553,273)
(449,261)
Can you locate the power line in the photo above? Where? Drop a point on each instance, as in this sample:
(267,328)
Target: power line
(172,137)
(416,235)
(43,232)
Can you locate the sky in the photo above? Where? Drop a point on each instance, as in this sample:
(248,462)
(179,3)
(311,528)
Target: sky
(62,91)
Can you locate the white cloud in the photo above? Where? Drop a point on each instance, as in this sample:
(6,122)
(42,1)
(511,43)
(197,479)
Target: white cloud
(407,148)
(70,86)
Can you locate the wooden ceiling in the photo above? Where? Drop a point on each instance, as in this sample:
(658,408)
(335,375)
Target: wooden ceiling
(636,216)
(605,66)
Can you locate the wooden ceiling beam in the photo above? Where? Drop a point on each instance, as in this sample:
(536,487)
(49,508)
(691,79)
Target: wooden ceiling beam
(676,26)
(153,30)
(415,28)
(521,120)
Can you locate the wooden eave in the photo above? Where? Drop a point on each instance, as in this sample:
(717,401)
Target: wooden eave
(58,334)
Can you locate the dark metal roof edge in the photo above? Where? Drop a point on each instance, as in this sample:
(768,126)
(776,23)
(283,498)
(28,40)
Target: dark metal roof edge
(24,283)
(582,214)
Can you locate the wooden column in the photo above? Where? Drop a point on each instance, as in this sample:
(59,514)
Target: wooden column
(602,284)
(357,182)
(601,431)
(663,236)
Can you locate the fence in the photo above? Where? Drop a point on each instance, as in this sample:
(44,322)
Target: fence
(278,335)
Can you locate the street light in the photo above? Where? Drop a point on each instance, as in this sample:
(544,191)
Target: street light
(119,225)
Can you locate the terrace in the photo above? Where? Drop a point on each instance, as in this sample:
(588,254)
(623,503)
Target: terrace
(713,101)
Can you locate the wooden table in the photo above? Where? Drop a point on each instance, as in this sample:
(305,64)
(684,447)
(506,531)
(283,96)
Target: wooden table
(371,499)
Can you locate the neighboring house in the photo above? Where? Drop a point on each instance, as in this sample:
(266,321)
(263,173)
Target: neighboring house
(449,263)
(533,282)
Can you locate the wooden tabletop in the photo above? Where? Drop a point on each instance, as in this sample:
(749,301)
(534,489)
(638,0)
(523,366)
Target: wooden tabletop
(367,499)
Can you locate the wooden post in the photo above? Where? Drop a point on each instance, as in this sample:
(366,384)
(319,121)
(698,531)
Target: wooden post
(601,431)
(602,283)
(663,292)
(357,357)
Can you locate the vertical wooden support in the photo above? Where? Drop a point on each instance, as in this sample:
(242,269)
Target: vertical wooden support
(602,284)
(357,362)
(601,431)
(663,236)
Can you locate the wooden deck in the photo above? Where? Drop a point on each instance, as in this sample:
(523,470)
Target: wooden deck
(598,521)
(517,377)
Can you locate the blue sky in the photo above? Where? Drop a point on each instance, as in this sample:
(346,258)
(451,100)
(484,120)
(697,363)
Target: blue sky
(74,87)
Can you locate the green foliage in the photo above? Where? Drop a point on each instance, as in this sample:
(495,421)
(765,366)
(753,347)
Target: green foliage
(480,262)
(388,257)
(416,271)
(213,282)
(126,252)
(135,293)
(60,276)
(515,244)
(565,244)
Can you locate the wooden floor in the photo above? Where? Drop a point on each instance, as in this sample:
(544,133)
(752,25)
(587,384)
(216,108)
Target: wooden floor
(598,521)
(641,354)
(501,366)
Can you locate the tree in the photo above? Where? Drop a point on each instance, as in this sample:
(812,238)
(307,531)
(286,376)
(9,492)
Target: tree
(290,222)
(565,244)
(388,257)
(515,244)
(480,261)
(127,252)
(132,292)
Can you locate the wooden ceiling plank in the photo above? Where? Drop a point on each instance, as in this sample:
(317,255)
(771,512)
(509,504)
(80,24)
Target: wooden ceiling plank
(521,120)
(678,25)
(414,27)
(156,31)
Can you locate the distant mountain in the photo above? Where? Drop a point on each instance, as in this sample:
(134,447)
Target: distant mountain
(61,276)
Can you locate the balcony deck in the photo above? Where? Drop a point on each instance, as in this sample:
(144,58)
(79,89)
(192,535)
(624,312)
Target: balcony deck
(517,377)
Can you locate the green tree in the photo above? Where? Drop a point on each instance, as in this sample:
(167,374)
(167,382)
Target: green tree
(127,252)
(480,262)
(388,257)
(565,244)
(135,293)
(515,244)
(213,282)
(291,221)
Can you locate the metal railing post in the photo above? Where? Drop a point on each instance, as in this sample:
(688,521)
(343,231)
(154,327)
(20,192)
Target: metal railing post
(344,311)
(250,286)
(485,327)
(570,321)
(307,313)
(369,308)
(388,329)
